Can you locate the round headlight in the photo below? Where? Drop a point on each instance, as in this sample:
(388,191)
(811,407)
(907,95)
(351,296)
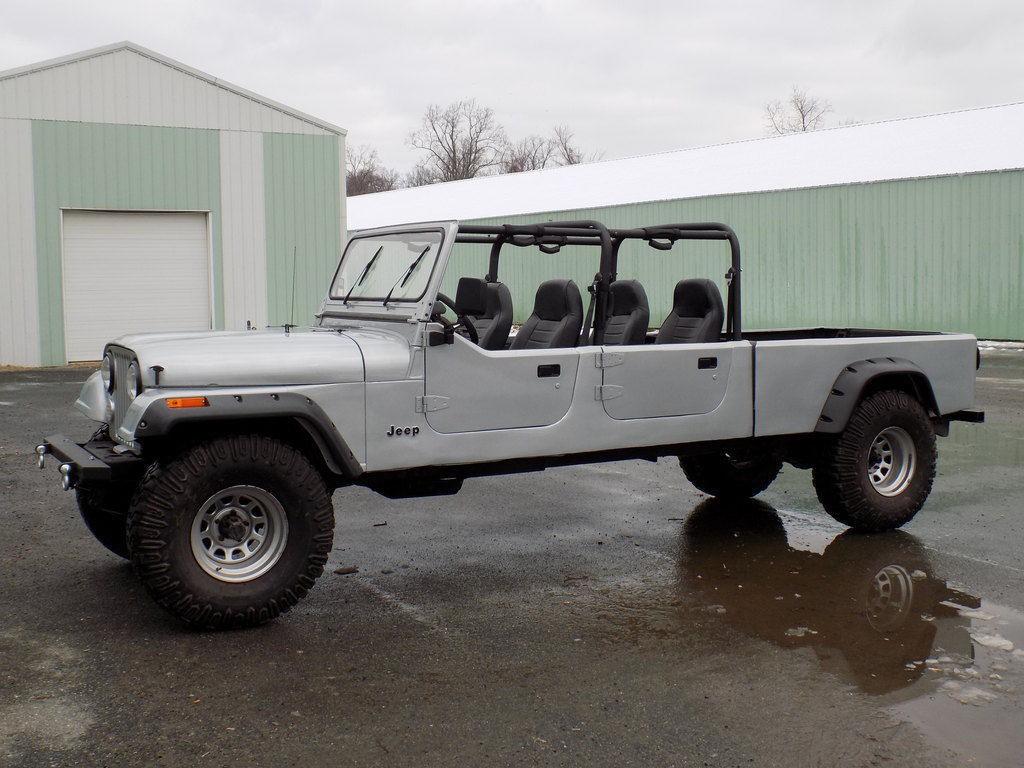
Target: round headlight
(107,372)
(134,381)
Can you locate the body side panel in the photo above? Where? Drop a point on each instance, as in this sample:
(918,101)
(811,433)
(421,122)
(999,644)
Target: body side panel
(585,427)
(794,378)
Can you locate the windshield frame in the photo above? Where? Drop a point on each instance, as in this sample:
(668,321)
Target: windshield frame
(334,295)
(404,310)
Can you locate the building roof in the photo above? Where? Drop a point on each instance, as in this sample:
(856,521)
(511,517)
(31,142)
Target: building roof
(950,143)
(17,102)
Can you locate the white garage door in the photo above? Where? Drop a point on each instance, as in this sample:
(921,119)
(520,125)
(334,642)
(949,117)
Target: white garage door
(131,273)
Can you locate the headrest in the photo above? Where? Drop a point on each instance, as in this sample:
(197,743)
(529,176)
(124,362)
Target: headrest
(555,299)
(695,297)
(471,295)
(627,297)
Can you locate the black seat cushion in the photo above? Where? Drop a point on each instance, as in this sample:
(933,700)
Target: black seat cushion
(629,316)
(488,307)
(696,316)
(556,320)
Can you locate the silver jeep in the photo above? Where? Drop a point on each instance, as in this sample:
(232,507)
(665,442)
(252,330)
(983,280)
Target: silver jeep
(218,452)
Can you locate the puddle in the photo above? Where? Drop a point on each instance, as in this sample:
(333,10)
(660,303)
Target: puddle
(871,608)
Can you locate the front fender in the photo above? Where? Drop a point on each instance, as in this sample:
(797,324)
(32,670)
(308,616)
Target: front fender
(156,420)
(93,400)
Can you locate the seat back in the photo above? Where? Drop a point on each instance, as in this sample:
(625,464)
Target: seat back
(488,307)
(556,320)
(696,316)
(629,314)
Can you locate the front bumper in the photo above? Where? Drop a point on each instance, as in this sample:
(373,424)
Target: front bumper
(94,462)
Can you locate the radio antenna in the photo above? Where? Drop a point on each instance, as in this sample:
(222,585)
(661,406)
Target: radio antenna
(291,308)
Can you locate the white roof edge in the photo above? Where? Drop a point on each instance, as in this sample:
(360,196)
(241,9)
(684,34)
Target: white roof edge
(128,45)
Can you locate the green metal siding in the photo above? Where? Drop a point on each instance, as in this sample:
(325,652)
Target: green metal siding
(116,167)
(943,253)
(302,195)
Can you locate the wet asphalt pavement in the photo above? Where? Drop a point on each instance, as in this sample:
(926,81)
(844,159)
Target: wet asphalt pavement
(605,615)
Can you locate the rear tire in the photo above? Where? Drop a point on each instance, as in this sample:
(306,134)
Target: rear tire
(731,476)
(879,471)
(232,532)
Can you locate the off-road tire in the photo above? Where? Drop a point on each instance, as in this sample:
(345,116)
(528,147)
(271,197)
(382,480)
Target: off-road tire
(725,476)
(160,524)
(841,476)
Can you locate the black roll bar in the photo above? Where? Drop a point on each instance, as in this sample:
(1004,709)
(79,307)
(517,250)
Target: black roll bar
(551,236)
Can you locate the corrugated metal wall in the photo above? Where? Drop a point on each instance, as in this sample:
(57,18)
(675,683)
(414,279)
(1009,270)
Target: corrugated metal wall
(931,254)
(243,236)
(302,191)
(116,167)
(127,87)
(19,302)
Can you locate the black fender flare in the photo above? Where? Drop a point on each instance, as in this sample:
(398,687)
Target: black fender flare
(250,409)
(864,375)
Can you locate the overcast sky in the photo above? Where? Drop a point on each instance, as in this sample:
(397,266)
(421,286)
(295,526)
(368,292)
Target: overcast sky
(628,77)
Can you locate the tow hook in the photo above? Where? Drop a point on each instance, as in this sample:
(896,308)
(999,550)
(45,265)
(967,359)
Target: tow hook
(66,479)
(41,456)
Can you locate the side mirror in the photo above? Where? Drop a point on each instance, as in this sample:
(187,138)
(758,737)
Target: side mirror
(437,338)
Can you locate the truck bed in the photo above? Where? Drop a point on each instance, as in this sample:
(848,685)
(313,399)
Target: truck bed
(794,370)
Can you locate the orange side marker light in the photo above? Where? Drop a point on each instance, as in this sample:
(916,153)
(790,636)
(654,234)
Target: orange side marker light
(187,402)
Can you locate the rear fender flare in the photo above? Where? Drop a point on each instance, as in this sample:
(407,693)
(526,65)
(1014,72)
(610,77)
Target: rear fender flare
(859,378)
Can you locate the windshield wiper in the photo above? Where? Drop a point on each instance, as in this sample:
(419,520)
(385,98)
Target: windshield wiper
(363,274)
(407,275)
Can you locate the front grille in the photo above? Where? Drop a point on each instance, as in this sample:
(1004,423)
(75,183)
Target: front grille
(122,359)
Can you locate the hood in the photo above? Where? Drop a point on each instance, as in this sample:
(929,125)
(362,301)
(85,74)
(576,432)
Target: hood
(247,358)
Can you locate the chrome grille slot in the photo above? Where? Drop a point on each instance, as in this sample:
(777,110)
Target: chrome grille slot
(122,359)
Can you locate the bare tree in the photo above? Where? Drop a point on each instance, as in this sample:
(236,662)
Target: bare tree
(529,154)
(801,112)
(461,141)
(364,172)
(566,151)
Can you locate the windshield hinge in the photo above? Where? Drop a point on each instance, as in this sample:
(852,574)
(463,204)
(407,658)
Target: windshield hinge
(607,391)
(427,403)
(608,359)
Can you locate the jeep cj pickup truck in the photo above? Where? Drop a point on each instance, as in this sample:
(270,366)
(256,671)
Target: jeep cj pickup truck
(218,452)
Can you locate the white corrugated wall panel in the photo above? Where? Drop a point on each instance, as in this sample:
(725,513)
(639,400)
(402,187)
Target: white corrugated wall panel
(126,87)
(243,229)
(19,296)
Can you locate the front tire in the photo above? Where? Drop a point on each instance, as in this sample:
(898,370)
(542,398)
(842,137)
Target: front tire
(878,473)
(727,475)
(232,532)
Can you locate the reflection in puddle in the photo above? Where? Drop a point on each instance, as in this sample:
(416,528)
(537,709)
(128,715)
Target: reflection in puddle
(871,609)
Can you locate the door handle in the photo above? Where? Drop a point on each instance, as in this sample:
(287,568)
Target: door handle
(705,363)
(547,371)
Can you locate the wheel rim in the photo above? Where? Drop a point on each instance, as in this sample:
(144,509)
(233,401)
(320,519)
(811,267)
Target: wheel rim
(239,533)
(890,597)
(892,461)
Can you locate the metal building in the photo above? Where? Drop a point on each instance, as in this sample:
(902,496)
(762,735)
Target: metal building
(140,194)
(915,223)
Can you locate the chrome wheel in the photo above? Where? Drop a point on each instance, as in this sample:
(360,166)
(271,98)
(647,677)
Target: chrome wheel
(891,461)
(890,598)
(239,533)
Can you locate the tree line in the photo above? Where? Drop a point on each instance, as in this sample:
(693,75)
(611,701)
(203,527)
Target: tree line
(464,140)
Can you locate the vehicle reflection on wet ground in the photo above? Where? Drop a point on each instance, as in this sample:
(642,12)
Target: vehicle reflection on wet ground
(873,610)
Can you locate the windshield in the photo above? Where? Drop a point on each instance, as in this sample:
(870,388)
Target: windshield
(387,268)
